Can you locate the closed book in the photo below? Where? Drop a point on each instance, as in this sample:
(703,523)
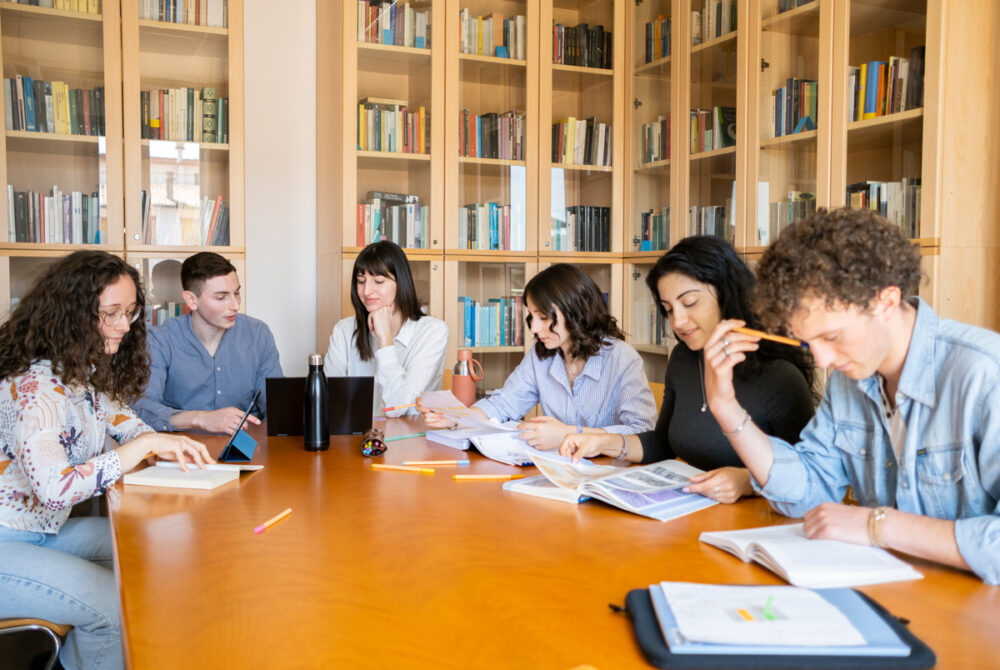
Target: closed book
(194,478)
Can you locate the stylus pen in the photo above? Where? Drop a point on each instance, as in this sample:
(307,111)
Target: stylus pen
(270,522)
(780,339)
(403,437)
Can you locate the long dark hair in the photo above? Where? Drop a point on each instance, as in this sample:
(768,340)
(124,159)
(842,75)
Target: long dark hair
(58,321)
(713,261)
(582,305)
(383,258)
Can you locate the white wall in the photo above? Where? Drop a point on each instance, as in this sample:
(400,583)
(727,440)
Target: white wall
(280,75)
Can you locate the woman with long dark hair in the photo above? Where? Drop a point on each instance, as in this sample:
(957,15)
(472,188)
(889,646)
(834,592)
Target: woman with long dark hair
(72,356)
(697,284)
(581,371)
(388,337)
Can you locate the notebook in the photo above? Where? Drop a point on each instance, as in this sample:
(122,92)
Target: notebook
(349,400)
(174,477)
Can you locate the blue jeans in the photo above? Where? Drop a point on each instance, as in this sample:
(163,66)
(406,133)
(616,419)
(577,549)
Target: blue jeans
(66,578)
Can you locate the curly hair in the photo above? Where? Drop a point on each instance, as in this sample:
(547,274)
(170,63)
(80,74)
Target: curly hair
(713,261)
(842,255)
(58,321)
(582,305)
(387,259)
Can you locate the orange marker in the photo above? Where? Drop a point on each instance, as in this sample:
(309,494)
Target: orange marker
(486,478)
(393,409)
(402,468)
(780,339)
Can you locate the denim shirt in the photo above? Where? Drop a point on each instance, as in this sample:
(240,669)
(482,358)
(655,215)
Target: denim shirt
(950,464)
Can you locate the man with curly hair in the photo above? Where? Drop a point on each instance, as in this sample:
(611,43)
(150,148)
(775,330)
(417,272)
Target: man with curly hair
(910,418)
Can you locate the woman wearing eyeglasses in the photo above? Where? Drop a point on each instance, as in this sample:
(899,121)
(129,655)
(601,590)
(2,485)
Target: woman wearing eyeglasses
(72,355)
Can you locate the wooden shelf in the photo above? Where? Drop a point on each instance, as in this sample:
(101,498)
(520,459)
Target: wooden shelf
(489,256)
(785,140)
(512,349)
(659,349)
(657,68)
(204,146)
(644,256)
(151,250)
(802,20)
(412,253)
(49,14)
(34,136)
(700,49)
(477,60)
(391,53)
(574,167)
(182,29)
(872,16)
(602,257)
(37,250)
(392,157)
(662,166)
(499,162)
(886,131)
(715,153)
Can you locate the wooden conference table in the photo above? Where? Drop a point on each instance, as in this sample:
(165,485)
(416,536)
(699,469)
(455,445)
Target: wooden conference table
(400,570)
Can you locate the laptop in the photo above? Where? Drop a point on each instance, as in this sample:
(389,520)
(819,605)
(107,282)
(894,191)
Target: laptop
(349,401)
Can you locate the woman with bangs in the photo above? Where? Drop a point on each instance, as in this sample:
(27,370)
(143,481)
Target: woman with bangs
(388,337)
(581,371)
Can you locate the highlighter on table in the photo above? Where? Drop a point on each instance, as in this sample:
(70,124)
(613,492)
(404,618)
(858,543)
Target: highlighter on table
(270,522)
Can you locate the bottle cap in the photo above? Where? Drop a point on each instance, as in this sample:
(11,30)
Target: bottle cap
(464,355)
(315,359)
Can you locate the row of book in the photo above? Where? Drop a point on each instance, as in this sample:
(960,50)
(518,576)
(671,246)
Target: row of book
(492,135)
(655,140)
(396,23)
(84,6)
(793,107)
(897,201)
(713,19)
(184,115)
(52,107)
(715,220)
(493,35)
(212,13)
(581,142)
(391,125)
(490,225)
(397,217)
(183,217)
(654,229)
(156,315)
(53,218)
(797,206)
(658,38)
(712,128)
(582,228)
(878,87)
(582,45)
(648,324)
(499,322)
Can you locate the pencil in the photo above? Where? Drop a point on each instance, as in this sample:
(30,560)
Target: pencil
(270,522)
(402,468)
(464,461)
(403,437)
(780,339)
(393,409)
(486,478)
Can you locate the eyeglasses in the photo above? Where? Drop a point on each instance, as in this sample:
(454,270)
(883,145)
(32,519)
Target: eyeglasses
(114,316)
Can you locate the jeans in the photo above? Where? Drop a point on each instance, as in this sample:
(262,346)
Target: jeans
(66,578)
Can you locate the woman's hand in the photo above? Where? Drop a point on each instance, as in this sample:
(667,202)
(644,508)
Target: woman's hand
(588,445)
(544,432)
(723,351)
(168,447)
(434,419)
(380,322)
(727,485)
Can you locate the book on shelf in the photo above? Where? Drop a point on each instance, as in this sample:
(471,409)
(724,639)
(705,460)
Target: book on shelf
(490,225)
(491,135)
(878,87)
(582,45)
(582,228)
(35,105)
(55,218)
(793,107)
(174,219)
(157,314)
(654,229)
(648,324)
(394,23)
(652,490)
(715,220)
(712,129)
(495,322)
(783,213)
(787,552)
(184,115)
(493,35)
(80,6)
(657,38)
(655,139)
(211,13)
(712,19)
(581,142)
(897,201)
(392,126)
(398,217)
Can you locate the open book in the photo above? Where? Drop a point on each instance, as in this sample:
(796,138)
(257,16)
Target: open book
(494,440)
(650,490)
(787,552)
(167,473)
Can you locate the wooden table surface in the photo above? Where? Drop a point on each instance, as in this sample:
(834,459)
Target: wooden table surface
(393,570)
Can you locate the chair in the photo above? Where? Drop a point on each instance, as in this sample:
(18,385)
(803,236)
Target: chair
(657,389)
(56,631)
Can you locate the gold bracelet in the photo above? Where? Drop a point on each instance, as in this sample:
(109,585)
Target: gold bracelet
(875,520)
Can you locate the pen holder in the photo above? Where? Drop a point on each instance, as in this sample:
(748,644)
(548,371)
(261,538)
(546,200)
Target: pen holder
(373,442)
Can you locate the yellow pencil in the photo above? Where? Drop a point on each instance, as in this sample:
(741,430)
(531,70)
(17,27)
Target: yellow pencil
(270,522)
(486,478)
(402,468)
(780,339)
(393,409)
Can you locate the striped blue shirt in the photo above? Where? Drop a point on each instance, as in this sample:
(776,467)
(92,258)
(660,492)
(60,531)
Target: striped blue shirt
(610,393)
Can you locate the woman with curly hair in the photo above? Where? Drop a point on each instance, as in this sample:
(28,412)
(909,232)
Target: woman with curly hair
(581,371)
(72,356)
(697,284)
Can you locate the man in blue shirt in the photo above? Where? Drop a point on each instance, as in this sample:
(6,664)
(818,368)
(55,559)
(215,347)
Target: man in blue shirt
(910,419)
(206,366)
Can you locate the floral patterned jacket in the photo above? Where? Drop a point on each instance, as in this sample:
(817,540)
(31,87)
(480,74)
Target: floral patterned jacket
(52,439)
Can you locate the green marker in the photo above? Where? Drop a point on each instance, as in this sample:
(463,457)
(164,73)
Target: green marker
(767,609)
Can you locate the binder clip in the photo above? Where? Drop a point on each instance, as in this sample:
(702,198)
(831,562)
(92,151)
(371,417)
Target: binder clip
(373,442)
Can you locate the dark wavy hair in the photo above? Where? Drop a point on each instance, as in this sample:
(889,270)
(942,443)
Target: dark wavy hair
(842,255)
(713,261)
(582,305)
(58,321)
(387,259)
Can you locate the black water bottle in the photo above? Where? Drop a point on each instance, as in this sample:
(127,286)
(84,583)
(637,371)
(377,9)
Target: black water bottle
(316,419)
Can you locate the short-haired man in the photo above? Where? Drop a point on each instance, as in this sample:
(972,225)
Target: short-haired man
(206,366)
(910,418)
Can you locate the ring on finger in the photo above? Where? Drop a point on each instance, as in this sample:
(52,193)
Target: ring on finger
(725,343)
(725,351)
(715,490)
